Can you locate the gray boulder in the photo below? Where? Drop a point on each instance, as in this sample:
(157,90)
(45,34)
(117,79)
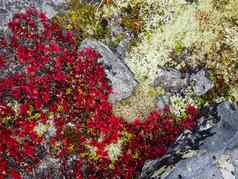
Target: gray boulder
(122,47)
(123,82)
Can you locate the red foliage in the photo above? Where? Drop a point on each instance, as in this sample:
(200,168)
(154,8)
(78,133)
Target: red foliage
(70,88)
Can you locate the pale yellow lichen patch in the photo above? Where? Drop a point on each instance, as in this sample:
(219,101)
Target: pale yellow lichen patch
(139,104)
(234,93)
(114,151)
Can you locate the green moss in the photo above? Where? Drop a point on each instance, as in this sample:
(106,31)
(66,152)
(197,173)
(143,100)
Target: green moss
(116,40)
(178,47)
(7,121)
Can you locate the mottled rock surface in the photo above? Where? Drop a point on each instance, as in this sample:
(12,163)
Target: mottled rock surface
(117,72)
(201,84)
(171,80)
(174,81)
(208,152)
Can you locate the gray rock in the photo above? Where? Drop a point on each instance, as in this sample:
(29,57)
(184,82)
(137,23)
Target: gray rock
(211,151)
(171,80)
(225,132)
(123,82)
(199,167)
(207,165)
(201,84)
(52,168)
(11,67)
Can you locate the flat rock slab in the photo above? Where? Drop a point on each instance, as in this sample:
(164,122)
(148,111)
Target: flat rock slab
(226,131)
(122,79)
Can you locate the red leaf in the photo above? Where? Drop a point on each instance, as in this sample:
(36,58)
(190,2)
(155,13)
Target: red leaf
(15,174)
(2,62)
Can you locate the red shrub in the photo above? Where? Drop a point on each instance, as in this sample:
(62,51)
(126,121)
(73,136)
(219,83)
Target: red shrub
(69,88)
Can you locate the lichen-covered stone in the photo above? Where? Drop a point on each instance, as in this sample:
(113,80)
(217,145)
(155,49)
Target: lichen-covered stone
(171,80)
(162,103)
(201,84)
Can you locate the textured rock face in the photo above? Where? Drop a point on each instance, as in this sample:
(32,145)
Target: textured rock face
(201,83)
(214,157)
(49,167)
(226,132)
(117,72)
(171,80)
(10,7)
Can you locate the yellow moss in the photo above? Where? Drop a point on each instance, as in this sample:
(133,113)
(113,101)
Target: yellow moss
(71,147)
(136,155)
(7,121)
(83,20)
(36,116)
(29,112)
(69,91)
(50,115)
(132,19)
(40,129)
(92,153)
(126,137)
(60,108)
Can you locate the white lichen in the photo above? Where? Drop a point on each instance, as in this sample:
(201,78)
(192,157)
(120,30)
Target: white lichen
(114,150)
(182,26)
(46,129)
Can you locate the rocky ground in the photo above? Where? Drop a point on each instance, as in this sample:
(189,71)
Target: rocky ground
(209,150)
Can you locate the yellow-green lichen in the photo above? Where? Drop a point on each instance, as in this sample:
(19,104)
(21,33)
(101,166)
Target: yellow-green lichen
(141,103)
